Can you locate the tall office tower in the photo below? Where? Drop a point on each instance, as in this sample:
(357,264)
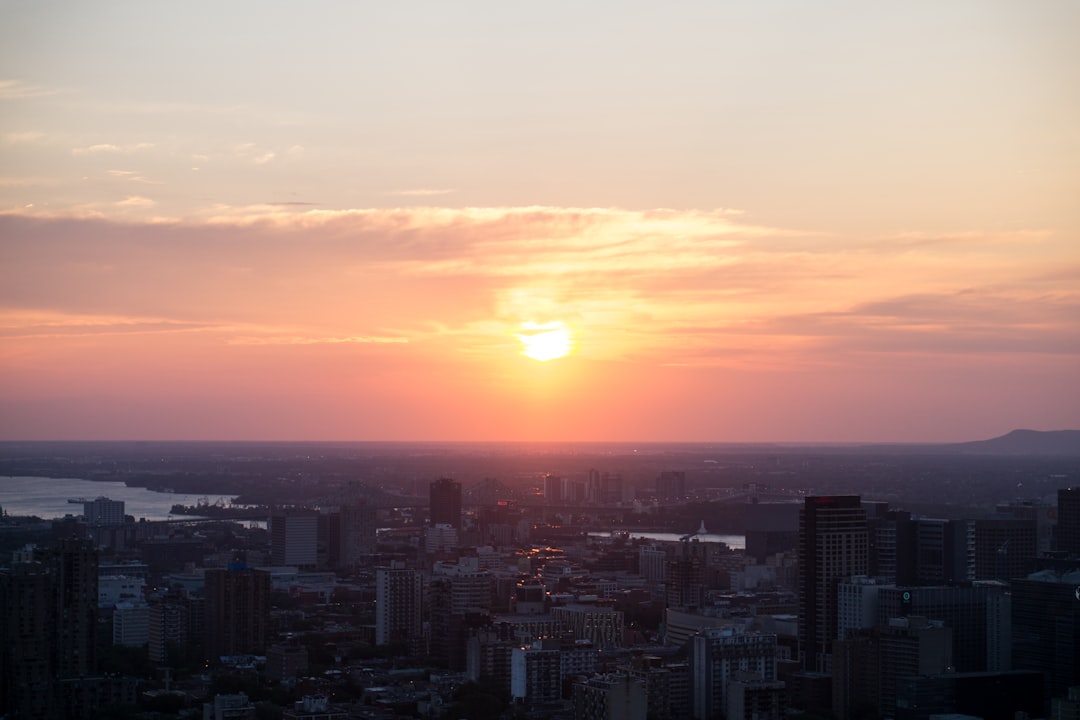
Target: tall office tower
(168,625)
(1004,548)
(27,619)
(1068,520)
(294,538)
(103,511)
(601,625)
(237,611)
(856,673)
(536,673)
(358,529)
(755,700)
(963,609)
(75,564)
(833,546)
(611,488)
(1046,628)
(48,628)
(610,697)
(552,489)
(684,575)
(445,495)
(398,604)
(459,597)
(718,655)
(1043,515)
(911,646)
(887,541)
(943,552)
(671,485)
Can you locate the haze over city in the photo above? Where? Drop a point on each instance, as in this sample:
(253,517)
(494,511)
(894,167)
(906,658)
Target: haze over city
(597,221)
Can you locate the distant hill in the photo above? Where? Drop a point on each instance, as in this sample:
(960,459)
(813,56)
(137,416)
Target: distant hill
(1026,442)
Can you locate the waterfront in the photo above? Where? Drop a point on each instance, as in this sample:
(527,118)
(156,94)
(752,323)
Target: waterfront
(48,498)
(736,542)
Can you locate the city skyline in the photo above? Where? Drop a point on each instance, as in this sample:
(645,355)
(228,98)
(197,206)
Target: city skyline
(611,222)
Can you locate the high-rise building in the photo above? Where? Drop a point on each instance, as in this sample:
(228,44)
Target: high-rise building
(601,625)
(911,646)
(552,489)
(294,538)
(1004,547)
(1068,520)
(718,655)
(48,622)
(26,632)
(237,611)
(856,673)
(459,597)
(358,526)
(671,485)
(685,575)
(962,608)
(610,697)
(1046,628)
(833,546)
(755,700)
(398,604)
(445,497)
(131,624)
(103,511)
(75,564)
(167,624)
(536,673)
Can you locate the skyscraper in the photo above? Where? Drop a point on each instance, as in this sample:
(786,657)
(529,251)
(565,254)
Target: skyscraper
(398,604)
(445,496)
(294,538)
(718,655)
(459,598)
(1068,520)
(48,621)
(237,610)
(833,545)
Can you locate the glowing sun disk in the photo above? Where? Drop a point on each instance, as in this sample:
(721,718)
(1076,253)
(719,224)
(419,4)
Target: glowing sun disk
(546,341)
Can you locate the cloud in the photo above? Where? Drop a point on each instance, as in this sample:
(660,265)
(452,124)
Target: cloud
(16,324)
(110,148)
(301,340)
(420,192)
(677,287)
(28,137)
(251,152)
(136,201)
(19,90)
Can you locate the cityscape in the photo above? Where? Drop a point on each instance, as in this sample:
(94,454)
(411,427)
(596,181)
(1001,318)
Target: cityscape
(575,360)
(659,581)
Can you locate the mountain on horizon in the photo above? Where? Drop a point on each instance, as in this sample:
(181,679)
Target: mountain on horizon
(1027,442)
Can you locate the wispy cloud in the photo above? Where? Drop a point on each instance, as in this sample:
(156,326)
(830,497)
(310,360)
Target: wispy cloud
(101,148)
(302,340)
(27,137)
(136,201)
(18,90)
(420,192)
(252,153)
(684,287)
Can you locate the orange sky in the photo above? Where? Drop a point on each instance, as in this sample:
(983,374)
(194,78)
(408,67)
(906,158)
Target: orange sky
(757,224)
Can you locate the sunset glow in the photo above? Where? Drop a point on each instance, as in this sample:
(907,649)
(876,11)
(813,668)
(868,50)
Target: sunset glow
(545,341)
(368,222)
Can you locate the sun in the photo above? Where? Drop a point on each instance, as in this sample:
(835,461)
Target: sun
(546,341)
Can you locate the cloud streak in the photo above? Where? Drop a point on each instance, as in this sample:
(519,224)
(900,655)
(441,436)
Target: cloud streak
(426,303)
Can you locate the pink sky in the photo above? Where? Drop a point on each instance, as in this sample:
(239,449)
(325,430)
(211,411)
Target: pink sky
(772,226)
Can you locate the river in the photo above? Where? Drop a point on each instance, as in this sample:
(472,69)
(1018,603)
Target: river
(48,497)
